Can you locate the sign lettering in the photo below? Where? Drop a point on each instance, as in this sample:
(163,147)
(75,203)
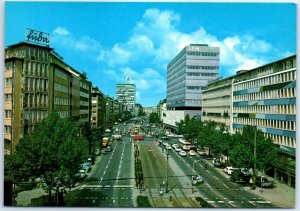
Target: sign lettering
(37,37)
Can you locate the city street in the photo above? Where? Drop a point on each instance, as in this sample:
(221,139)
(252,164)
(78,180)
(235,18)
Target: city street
(110,183)
(167,179)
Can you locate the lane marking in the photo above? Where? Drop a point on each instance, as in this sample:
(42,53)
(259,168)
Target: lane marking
(216,177)
(231,203)
(252,202)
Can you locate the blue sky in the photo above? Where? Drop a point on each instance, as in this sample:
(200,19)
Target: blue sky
(111,40)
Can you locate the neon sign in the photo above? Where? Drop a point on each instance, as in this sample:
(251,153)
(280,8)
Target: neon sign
(38,37)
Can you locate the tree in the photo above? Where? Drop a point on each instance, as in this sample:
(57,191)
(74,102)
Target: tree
(53,152)
(242,153)
(153,118)
(86,131)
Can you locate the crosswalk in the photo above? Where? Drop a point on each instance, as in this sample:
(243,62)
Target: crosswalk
(106,187)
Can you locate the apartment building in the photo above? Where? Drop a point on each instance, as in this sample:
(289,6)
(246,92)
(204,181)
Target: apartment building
(37,81)
(85,101)
(216,101)
(98,109)
(264,97)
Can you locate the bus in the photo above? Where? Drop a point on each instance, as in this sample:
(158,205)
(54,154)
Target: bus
(185,145)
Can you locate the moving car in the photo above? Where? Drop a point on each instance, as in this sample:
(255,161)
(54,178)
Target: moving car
(263,182)
(196,180)
(182,153)
(192,153)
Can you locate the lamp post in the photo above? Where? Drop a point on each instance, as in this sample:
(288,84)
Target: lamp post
(194,171)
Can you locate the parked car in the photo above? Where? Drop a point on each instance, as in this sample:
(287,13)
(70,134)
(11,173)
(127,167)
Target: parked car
(168,147)
(182,153)
(216,162)
(239,177)
(202,152)
(86,166)
(246,171)
(165,143)
(192,153)
(178,149)
(229,169)
(263,182)
(108,149)
(81,173)
(196,180)
(97,152)
(175,145)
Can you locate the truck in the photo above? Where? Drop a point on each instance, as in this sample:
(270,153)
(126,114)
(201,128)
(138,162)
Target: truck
(105,142)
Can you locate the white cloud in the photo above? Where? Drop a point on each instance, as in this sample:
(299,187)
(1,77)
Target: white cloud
(61,36)
(156,40)
(61,31)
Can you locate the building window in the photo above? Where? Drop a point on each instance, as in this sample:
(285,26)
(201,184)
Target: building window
(8,98)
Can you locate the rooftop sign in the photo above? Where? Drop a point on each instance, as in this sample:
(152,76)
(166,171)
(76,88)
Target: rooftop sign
(37,37)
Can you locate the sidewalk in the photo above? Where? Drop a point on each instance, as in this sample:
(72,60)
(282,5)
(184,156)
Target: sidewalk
(281,195)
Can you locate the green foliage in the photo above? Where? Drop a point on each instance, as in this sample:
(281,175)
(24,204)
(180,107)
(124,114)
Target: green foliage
(53,151)
(242,153)
(86,131)
(239,146)
(143,201)
(124,116)
(153,118)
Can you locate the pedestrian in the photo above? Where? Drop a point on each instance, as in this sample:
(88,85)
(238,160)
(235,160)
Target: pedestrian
(205,166)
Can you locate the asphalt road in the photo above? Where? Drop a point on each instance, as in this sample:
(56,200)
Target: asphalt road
(110,183)
(217,188)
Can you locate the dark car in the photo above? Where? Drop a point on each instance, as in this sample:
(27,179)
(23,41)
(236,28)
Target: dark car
(239,177)
(108,149)
(216,162)
(246,172)
(263,182)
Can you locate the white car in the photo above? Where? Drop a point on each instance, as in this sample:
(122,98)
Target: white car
(192,153)
(175,145)
(168,147)
(229,169)
(197,180)
(177,149)
(165,143)
(182,153)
